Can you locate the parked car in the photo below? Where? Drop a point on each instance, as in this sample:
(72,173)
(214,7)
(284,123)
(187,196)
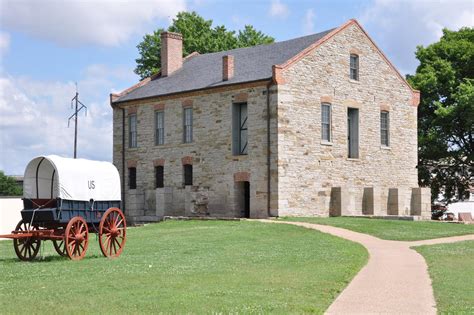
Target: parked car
(437,211)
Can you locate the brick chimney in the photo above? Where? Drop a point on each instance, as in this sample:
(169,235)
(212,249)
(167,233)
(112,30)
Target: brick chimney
(227,67)
(171,53)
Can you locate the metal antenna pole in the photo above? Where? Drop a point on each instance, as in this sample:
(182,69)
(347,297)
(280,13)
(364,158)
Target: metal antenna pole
(75,127)
(76,101)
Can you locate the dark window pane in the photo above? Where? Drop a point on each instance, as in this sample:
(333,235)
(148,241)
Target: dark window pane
(188,125)
(384,128)
(132,178)
(326,122)
(188,175)
(354,67)
(159,128)
(132,126)
(243,141)
(159,177)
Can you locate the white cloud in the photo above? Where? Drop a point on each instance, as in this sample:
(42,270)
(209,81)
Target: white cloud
(76,22)
(308,22)
(278,9)
(34,117)
(399,26)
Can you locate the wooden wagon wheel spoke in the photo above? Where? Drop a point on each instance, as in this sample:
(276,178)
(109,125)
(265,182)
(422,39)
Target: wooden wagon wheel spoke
(76,238)
(60,247)
(26,248)
(112,227)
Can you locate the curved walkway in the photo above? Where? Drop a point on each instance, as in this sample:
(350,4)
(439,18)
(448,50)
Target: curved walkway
(394,281)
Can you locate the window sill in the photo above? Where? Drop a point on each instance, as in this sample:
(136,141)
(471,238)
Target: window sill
(239,157)
(354,81)
(385,147)
(327,143)
(353,159)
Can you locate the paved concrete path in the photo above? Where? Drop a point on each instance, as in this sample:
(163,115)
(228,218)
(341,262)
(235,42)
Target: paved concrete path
(394,281)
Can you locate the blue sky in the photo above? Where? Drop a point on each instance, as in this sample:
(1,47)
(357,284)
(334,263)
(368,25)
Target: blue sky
(46,46)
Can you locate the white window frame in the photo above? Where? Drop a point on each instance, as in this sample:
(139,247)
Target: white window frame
(354,67)
(159,127)
(326,124)
(385,142)
(187,125)
(132,131)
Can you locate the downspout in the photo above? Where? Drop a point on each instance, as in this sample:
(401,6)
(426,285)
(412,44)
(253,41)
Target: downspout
(268,150)
(123,160)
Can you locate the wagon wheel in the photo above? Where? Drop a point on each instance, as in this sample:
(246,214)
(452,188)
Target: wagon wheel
(26,248)
(77,238)
(112,232)
(60,247)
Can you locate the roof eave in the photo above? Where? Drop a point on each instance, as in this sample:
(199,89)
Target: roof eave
(117,103)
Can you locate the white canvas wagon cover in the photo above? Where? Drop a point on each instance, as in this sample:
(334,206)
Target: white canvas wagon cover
(52,176)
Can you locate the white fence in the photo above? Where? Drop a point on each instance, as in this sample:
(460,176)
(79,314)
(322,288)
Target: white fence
(9,213)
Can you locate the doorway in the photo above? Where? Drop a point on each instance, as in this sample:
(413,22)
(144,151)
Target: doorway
(242,199)
(246,213)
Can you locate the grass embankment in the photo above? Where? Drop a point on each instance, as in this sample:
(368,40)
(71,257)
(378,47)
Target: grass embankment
(400,230)
(188,267)
(451,268)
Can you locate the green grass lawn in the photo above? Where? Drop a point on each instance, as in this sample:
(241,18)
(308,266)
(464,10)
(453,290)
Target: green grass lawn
(393,229)
(188,267)
(451,268)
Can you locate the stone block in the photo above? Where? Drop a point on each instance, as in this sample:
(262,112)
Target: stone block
(164,201)
(339,201)
(421,202)
(372,201)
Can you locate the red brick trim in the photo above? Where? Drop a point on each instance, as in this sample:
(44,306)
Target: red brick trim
(193,54)
(160,106)
(277,75)
(242,177)
(326,99)
(131,110)
(241,97)
(131,163)
(159,162)
(355,51)
(415,98)
(187,160)
(187,103)
(385,107)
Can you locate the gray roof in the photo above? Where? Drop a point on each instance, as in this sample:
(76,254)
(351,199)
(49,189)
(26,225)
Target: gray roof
(205,71)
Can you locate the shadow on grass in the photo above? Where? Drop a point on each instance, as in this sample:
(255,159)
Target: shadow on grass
(45,259)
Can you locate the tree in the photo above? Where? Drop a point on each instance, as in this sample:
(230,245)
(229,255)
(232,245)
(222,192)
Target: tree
(8,186)
(445,78)
(198,35)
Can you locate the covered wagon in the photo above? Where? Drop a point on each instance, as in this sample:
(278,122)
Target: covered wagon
(63,201)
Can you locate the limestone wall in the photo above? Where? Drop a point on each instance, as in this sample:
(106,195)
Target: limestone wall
(214,165)
(309,168)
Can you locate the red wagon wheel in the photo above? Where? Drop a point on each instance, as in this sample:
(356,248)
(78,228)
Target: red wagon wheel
(112,232)
(60,247)
(26,248)
(77,238)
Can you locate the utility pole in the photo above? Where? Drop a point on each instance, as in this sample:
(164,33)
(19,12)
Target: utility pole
(75,103)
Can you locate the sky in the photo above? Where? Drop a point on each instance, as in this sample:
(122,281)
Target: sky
(48,46)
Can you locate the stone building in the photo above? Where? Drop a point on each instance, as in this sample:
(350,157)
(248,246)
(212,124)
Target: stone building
(318,125)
